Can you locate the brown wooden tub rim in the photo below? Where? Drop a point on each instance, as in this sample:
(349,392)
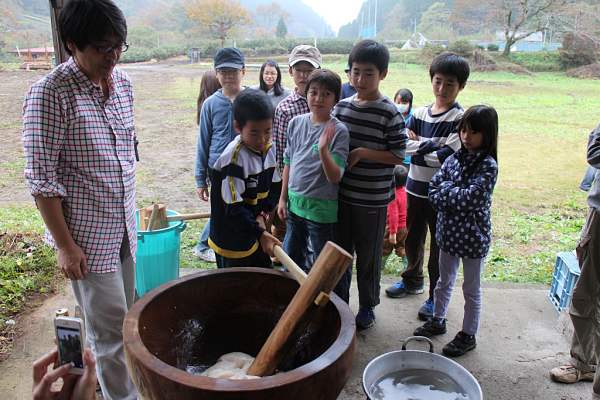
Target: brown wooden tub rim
(136,349)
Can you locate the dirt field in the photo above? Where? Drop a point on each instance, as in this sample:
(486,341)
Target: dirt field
(164,123)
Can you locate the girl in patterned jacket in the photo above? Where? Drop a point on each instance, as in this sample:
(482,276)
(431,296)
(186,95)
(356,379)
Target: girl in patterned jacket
(461,192)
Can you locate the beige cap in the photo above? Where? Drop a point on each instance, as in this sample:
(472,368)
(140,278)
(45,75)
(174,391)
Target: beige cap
(306,53)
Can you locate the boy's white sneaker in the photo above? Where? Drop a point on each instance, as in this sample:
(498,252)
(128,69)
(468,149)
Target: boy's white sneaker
(207,255)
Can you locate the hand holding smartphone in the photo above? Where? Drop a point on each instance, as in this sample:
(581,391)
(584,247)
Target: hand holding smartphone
(70,338)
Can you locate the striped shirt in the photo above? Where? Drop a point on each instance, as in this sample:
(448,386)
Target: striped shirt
(80,148)
(375,125)
(437,140)
(290,107)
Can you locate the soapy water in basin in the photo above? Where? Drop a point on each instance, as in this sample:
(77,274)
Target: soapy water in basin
(417,384)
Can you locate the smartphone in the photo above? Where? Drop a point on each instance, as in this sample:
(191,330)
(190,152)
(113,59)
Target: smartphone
(70,337)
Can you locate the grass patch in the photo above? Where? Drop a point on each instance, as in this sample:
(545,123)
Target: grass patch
(27,267)
(189,239)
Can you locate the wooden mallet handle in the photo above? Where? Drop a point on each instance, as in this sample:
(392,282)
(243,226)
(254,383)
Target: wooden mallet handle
(185,217)
(324,275)
(293,268)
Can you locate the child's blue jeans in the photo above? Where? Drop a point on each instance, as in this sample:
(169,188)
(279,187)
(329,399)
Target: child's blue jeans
(298,233)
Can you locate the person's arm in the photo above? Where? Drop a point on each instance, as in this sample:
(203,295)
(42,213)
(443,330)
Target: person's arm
(280,121)
(395,137)
(393,217)
(71,258)
(44,132)
(475,194)
(203,151)
(283,198)
(593,150)
(333,172)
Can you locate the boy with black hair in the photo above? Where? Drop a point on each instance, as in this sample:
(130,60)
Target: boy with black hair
(433,137)
(245,187)
(377,142)
(216,129)
(315,159)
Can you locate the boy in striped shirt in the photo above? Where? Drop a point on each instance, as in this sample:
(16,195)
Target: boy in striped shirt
(377,143)
(433,137)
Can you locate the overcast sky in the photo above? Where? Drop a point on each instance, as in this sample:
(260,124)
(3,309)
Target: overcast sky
(336,12)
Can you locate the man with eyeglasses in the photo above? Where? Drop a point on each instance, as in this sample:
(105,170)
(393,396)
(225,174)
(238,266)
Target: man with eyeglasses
(78,137)
(303,60)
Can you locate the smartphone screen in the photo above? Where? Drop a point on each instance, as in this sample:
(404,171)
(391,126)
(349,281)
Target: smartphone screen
(69,346)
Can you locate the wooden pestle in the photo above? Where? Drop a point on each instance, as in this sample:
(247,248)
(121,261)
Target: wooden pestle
(323,277)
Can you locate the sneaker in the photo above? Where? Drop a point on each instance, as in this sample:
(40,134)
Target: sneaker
(433,327)
(207,255)
(365,318)
(426,310)
(399,290)
(570,374)
(460,345)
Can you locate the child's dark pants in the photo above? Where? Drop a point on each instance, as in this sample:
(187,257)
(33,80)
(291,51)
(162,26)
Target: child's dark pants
(420,215)
(361,229)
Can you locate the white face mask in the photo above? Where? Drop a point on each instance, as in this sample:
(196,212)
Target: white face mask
(402,108)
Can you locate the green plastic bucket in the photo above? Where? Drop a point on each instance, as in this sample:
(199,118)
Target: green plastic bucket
(157,256)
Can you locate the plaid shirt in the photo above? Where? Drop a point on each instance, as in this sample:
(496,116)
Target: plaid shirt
(80,148)
(290,107)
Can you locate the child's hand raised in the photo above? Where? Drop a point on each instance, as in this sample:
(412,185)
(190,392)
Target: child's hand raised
(327,136)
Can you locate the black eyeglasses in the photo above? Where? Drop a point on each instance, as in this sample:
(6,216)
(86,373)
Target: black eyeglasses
(108,49)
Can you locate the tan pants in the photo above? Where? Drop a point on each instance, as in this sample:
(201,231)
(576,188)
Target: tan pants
(398,247)
(585,307)
(104,300)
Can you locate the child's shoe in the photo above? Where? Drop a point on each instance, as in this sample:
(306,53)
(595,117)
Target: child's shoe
(433,327)
(365,318)
(426,310)
(399,290)
(461,344)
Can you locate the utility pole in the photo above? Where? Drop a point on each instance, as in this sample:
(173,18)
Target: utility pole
(375,24)
(59,47)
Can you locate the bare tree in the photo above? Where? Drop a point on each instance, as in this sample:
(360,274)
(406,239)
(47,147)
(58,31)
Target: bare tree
(523,18)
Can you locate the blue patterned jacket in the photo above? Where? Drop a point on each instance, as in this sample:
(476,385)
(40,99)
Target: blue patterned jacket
(461,192)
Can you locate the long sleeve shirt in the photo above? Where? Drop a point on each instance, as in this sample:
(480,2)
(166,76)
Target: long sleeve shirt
(437,140)
(80,148)
(461,192)
(215,132)
(290,107)
(244,184)
(396,214)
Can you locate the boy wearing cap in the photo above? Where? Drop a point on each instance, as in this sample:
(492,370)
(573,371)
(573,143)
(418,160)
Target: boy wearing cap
(303,60)
(216,129)
(347,88)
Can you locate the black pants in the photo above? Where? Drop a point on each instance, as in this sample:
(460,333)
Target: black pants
(256,259)
(361,229)
(420,215)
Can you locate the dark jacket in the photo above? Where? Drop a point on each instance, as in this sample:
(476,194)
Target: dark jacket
(461,192)
(244,183)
